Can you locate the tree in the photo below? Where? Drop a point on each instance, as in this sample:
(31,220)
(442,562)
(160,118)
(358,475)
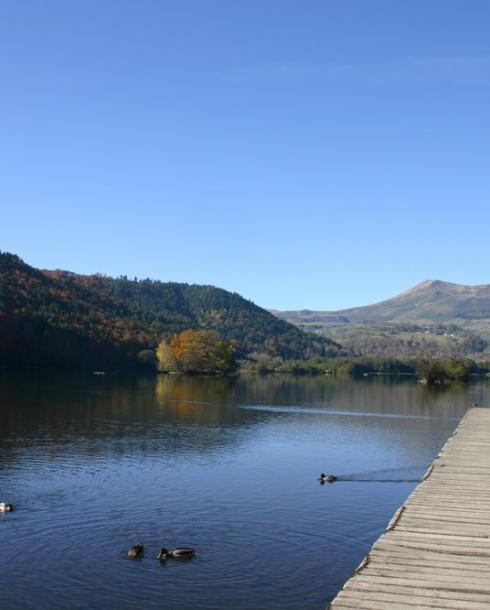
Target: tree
(165,357)
(147,358)
(431,369)
(427,366)
(195,351)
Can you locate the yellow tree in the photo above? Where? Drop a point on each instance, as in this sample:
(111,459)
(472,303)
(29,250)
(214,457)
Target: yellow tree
(189,348)
(195,351)
(165,357)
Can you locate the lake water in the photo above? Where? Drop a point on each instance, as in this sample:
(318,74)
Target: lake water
(96,464)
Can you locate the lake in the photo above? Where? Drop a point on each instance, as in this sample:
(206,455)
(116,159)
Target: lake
(95,464)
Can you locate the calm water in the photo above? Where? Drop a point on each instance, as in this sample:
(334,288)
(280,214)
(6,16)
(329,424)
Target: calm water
(97,464)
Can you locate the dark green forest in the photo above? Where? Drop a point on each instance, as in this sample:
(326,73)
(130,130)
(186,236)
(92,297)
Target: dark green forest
(59,318)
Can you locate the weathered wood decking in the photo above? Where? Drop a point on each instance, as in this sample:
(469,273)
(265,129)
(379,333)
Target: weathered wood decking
(435,552)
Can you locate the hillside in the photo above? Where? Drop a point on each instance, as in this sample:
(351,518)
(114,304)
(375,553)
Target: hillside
(429,301)
(59,317)
(451,318)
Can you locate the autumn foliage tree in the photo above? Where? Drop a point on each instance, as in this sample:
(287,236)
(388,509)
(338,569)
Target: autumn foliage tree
(165,357)
(195,351)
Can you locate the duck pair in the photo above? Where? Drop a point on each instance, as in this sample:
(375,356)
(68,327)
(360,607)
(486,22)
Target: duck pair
(179,553)
(6,508)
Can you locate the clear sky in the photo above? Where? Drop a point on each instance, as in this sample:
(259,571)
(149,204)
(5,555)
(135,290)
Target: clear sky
(309,154)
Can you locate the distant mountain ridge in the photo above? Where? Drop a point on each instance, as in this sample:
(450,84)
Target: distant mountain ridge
(429,301)
(62,318)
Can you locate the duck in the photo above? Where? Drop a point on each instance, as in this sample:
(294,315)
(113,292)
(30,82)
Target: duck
(327,478)
(179,553)
(136,551)
(5,507)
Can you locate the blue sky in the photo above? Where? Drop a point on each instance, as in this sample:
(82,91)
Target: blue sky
(308,154)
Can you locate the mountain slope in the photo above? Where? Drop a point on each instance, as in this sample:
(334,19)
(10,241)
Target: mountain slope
(58,317)
(449,319)
(430,301)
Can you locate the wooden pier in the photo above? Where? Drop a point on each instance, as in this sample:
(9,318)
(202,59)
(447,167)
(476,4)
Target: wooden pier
(435,553)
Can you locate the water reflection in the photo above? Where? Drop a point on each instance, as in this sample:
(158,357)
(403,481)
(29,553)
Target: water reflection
(229,466)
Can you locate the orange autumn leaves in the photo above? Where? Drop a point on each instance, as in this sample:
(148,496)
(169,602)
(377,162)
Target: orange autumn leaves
(195,351)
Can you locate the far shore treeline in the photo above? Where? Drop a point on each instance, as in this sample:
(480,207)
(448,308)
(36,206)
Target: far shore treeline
(203,352)
(428,368)
(62,319)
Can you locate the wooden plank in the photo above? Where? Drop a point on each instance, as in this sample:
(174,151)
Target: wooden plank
(421,555)
(417,514)
(403,559)
(381,585)
(436,550)
(346,597)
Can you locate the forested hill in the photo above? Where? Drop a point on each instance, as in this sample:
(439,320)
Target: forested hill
(61,318)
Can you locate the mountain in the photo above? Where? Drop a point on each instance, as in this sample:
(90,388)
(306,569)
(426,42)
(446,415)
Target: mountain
(450,319)
(62,318)
(429,301)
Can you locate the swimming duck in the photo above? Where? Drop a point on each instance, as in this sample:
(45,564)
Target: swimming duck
(6,508)
(136,551)
(179,553)
(327,478)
